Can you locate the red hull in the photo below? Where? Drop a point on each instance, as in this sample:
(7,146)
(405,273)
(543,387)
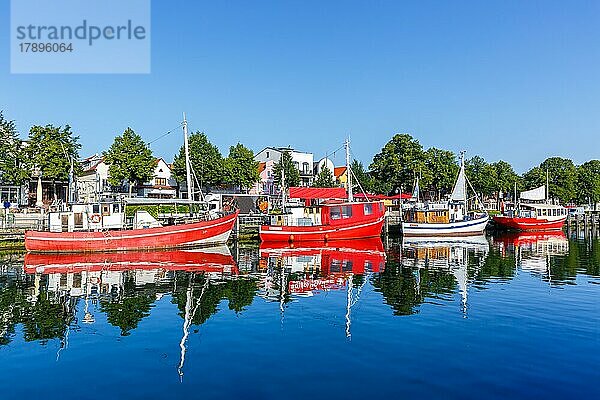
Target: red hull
(322,233)
(187,235)
(174,260)
(529,224)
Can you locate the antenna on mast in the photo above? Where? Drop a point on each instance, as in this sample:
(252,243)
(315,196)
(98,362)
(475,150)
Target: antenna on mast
(188,166)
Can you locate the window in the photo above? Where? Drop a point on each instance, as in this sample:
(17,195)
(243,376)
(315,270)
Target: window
(346,211)
(368,209)
(267,154)
(335,212)
(161,181)
(297,165)
(305,167)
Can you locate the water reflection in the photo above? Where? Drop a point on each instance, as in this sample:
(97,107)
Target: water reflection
(311,268)
(48,296)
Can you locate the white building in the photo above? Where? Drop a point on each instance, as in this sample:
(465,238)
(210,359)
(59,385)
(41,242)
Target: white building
(303,161)
(162,186)
(92,183)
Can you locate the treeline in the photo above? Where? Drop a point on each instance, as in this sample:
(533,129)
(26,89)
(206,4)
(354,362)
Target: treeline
(49,150)
(395,167)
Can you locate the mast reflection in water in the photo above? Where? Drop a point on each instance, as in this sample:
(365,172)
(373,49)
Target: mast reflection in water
(523,305)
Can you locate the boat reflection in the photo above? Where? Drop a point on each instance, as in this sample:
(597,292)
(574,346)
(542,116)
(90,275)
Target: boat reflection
(452,255)
(310,268)
(533,251)
(123,286)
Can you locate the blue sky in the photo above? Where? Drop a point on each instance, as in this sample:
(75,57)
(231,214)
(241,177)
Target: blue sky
(511,80)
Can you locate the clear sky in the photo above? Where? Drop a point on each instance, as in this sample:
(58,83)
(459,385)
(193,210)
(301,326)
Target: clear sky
(512,80)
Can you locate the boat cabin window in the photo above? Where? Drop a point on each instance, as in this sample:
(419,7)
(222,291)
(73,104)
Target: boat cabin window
(105,209)
(115,208)
(335,213)
(346,211)
(96,208)
(368,209)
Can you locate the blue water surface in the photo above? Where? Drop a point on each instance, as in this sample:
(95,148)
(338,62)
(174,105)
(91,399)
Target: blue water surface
(514,318)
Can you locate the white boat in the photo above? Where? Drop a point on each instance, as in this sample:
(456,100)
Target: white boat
(447,218)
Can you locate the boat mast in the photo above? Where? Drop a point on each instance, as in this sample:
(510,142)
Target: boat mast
(348,172)
(188,166)
(547,186)
(282,188)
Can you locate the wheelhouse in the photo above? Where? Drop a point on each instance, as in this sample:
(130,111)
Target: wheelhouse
(343,213)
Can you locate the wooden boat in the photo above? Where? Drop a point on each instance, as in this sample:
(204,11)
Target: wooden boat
(338,221)
(203,233)
(536,214)
(447,218)
(333,220)
(103,227)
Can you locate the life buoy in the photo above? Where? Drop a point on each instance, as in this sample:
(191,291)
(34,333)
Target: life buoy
(96,218)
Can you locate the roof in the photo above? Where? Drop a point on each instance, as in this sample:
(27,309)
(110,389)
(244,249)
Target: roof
(317,193)
(339,171)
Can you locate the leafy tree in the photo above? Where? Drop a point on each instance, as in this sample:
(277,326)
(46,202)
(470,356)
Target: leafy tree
(13,169)
(481,175)
(285,163)
(562,176)
(129,159)
(206,160)
(324,179)
(241,167)
(51,149)
(359,174)
(394,166)
(506,177)
(440,170)
(588,182)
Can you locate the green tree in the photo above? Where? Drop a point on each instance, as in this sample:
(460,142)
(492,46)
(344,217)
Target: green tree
(206,160)
(285,163)
(562,177)
(481,175)
(51,149)
(129,159)
(242,169)
(588,182)
(395,165)
(506,177)
(13,169)
(359,174)
(324,179)
(440,171)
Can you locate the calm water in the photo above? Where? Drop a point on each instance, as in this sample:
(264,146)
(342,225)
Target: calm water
(509,316)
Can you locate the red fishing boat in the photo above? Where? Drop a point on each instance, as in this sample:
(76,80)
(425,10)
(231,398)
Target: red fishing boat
(535,214)
(335,221)
(107,227)
(202,233)
(331,220)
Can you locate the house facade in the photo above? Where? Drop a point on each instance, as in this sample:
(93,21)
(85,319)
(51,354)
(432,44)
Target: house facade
(93,184)
(302,161)
(162,186)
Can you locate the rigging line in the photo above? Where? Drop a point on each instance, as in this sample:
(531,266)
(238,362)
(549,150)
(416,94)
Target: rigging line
(332,153)
(164,134)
